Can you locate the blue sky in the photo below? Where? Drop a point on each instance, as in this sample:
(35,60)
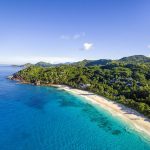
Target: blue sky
(71,30)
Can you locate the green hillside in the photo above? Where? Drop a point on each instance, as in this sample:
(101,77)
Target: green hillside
(126,83)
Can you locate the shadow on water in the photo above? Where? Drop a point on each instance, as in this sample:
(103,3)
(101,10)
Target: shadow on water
(116,132)
(68,103)
(37,102)
(92,113)
(101,120)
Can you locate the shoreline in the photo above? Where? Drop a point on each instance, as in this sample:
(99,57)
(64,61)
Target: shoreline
(134,119)
(139,122)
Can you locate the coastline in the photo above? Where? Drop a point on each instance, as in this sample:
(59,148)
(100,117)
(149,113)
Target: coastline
(138,121)
(134,119)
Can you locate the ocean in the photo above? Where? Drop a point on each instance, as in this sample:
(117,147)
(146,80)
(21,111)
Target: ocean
(47,118)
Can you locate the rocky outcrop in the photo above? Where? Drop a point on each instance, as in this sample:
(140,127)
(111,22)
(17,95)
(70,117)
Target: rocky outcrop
(15,77)
(10,77)
(37,83)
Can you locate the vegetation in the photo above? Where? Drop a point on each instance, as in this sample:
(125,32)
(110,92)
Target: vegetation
(27,65)
(43,64)
(132,60)
(123,81)
(136,59)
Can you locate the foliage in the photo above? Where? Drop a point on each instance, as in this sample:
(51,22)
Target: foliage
(126,83)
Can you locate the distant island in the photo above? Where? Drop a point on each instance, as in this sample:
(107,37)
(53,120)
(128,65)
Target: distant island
(126,81)
(40,64)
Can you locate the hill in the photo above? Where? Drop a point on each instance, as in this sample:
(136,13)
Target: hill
(135,59)
(101,62)
(43,64)
(119,80)
(92,62)
(128,60)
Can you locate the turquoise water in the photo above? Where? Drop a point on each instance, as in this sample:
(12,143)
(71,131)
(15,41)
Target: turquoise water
(45,118)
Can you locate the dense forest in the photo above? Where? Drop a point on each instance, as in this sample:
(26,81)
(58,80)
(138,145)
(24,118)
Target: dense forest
(125,81)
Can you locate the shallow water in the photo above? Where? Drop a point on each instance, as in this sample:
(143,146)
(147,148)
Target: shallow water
(46,118)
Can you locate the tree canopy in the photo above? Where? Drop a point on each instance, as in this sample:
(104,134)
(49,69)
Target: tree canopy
(122,81)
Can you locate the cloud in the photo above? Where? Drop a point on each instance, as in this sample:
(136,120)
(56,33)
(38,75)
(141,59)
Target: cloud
(87,46)
(35,59)
(77,36)
(64,37)
(72,37)
(148,46)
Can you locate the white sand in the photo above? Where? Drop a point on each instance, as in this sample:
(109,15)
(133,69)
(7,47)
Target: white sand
(136,120)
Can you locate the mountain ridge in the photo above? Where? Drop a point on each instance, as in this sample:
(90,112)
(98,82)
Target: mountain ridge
(129,59)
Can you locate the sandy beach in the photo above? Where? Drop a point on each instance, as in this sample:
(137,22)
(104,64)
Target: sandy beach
(136,120)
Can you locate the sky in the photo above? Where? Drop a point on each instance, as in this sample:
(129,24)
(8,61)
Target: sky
(70,30)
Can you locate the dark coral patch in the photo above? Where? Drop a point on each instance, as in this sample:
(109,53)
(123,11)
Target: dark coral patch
(116,132)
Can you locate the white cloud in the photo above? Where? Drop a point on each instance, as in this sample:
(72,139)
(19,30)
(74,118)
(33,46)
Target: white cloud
(35,59)
(87,46)
(148,46)
(77,36)
(64,37)
(73,37)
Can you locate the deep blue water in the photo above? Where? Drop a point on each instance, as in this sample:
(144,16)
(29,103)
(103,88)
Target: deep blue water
(45,118)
